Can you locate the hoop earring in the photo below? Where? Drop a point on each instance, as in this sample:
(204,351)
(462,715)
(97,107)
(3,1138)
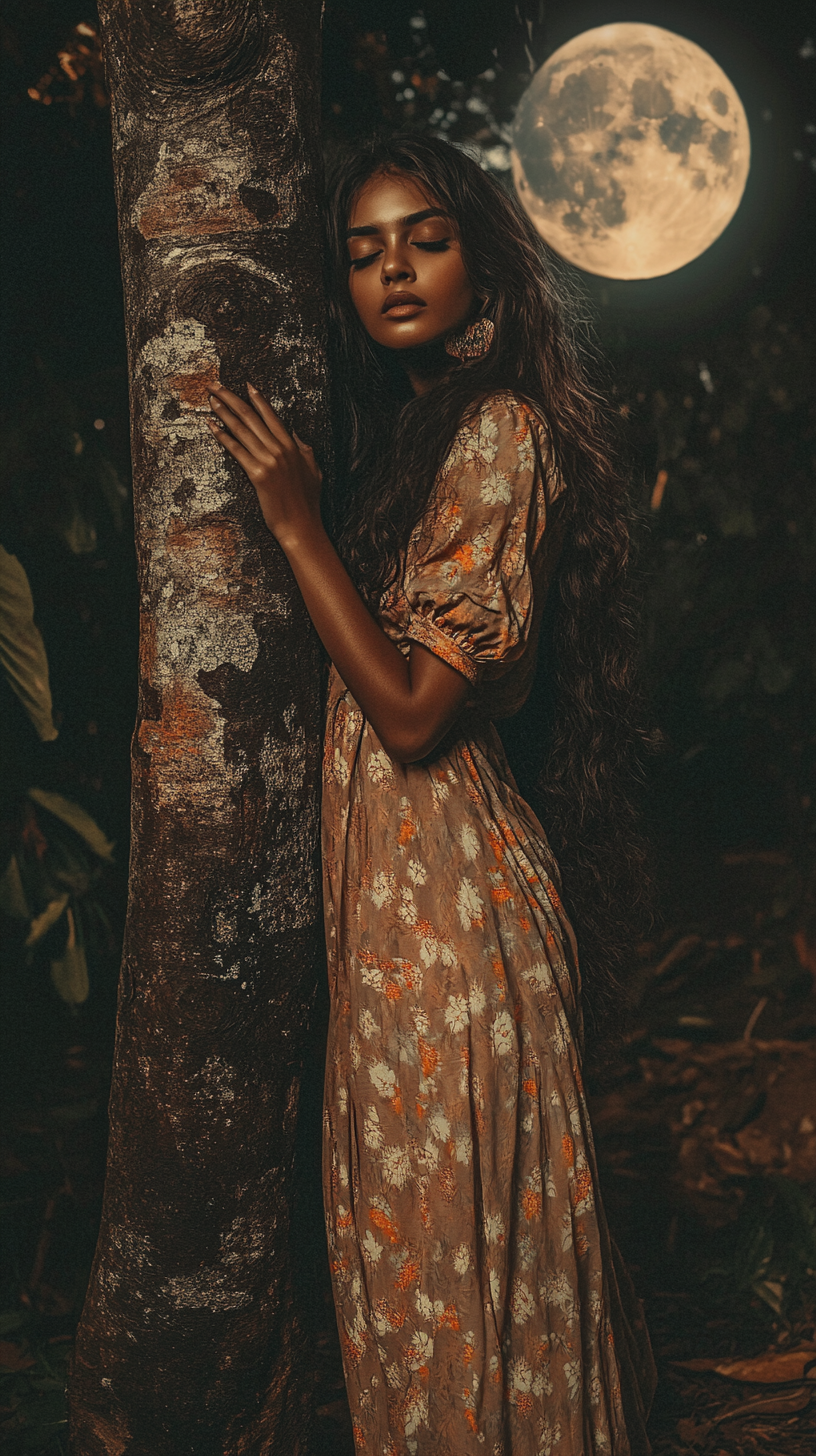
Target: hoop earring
(472,342)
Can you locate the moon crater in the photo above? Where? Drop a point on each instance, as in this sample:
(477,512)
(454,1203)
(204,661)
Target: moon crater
(631,151)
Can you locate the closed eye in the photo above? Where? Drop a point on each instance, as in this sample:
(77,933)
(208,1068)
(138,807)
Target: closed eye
(438,245)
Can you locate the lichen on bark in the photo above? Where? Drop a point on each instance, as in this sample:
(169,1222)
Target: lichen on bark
(190,1340)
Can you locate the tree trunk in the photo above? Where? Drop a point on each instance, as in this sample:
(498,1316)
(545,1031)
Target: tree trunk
(190,1340)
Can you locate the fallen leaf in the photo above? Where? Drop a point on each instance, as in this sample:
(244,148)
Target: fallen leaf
(690,1432)
(759,1147)
(678,953)
(13,1358)
(774,1367)
(805,952)
(781,1403)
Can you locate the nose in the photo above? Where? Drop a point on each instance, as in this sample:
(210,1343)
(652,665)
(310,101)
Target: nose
(396,266)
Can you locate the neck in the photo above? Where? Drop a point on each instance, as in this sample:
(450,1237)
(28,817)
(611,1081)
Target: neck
(425,365)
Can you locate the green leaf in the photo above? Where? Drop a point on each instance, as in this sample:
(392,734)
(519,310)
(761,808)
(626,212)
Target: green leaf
(772,1293)
(70,976)
(22,651)
(41,924)
(13,900)
(76,818)
(80,535)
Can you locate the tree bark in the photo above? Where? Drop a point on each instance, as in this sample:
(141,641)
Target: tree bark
(190,1340)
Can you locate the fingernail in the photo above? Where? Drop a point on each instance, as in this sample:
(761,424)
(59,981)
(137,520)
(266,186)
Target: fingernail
(251,388)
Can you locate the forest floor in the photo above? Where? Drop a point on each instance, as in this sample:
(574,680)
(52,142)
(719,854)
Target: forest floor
(705,1122)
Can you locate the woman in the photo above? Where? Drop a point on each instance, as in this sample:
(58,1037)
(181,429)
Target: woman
(477,1301)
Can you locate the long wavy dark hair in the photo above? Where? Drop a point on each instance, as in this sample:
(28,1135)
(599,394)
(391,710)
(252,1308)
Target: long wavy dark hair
(588,738)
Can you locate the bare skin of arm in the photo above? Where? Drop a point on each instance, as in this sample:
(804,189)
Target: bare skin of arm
(411,702)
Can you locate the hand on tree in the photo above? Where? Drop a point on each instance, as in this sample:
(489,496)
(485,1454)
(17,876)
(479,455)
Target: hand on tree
(282,469)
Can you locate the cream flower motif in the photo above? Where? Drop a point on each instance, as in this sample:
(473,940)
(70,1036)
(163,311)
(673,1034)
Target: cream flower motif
(396,1166)
(469,840)
(371,1249)
(550,1437)
(341,768)
(440,790)
(383,1078)
(470,905)
(542,1384)
(439,1125)
(371,976)
(558,1291)
(417,1412)
(486,438)
(421,1020)
(494,1228)
(463,1145)
(372,1132)
(503,1033)
(367,1024)
(424,1306)
(407,907)
(496,489)
(461,1258)
(539,977)
(379,766)
(383,888)
(428,1157)
(429,949)
(526,1251)
(560,1039)
(417,872)
(420,1350)
(521,1302)
(521,1376)
(477,1000)
(495,1287)
(457,1014)
(572,1370)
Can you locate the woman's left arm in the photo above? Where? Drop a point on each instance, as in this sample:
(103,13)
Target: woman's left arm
(411,702)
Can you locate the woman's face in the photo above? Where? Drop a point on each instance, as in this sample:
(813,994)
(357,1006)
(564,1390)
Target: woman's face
(407,278)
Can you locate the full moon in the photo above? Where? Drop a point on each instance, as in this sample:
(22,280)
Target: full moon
(631,151)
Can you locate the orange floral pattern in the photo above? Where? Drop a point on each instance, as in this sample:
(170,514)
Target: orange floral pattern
(473,1278)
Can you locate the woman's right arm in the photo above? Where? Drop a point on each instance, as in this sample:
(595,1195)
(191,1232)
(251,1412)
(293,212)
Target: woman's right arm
(410,702)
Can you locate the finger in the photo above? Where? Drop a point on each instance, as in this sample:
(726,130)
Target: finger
(245,459)
(248,416)
(301,444)
(258,441)
(272,421)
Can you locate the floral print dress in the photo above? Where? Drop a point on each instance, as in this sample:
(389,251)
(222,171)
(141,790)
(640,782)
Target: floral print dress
(478,1304)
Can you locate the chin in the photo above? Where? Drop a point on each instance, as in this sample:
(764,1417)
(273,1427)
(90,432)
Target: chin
(424,340)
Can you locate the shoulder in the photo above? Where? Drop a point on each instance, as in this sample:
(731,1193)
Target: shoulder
(502,434)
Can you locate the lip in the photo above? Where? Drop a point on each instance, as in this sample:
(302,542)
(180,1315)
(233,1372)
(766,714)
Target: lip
(402,305)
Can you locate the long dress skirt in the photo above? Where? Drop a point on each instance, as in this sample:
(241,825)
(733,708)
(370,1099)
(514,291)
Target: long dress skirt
(480,1306)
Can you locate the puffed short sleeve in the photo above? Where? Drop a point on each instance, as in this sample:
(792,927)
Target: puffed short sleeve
(468,582)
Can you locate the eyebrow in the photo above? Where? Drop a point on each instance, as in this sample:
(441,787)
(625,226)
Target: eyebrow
(364,232)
